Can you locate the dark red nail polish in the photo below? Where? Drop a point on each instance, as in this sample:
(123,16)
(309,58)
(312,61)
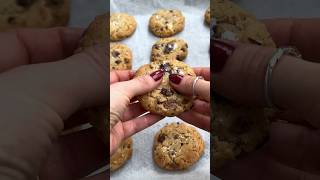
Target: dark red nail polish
(157,75)
(175,78)
(220,52)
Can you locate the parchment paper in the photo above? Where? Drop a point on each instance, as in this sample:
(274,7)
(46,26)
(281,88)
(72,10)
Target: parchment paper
(196,33)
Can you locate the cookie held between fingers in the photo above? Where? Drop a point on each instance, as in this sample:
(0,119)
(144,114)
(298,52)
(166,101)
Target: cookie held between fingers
(169,48)
(177,146)
(120,57)
(166,23)
(33,13)
(164,100)
(121,26)
(122,155)
(96,33)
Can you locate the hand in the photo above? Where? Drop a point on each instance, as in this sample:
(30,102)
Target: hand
(42,85)
(199,115)
(292,149)
(125,115)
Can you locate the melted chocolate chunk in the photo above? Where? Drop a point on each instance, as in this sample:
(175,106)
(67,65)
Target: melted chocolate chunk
(11,20)
(126,60)
(25,3)
(165,67)
(156,46)
(168,48)
(178,58)
(118,61)
(166,92)
(161,138)
(170,104)
(115,54)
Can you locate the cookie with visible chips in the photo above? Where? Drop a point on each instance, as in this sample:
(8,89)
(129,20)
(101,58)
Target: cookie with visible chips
(164,100)
(122,155)
(177,146)
(234,23)
(120,57)
(166,22)
(169,48)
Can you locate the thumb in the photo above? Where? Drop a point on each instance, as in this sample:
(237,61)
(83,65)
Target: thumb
(184,84)
(140,85)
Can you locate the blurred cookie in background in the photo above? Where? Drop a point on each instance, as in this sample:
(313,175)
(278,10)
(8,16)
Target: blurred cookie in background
(33,13)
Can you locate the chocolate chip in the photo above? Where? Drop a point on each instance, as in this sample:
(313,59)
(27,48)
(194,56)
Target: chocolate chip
(11,20)
(126,60)
(178,58)
(161,138)
(183,49)
(115,54)
(118,61)
(156,46)
(181,144)
(171,11)
(165,67)
(176,136)
(186,45)
(25,3)
(168,48)
(166,92)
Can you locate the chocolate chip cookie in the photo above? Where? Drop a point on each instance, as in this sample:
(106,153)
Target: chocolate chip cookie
(166,22)
(120,57)
(169,48)
(33,13)
(236,24)
(96,33)
(122,155)
(164,100)
(121,26)
(177,146)
(237,130)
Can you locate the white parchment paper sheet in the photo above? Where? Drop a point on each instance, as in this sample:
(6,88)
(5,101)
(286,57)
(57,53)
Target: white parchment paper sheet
(196,33)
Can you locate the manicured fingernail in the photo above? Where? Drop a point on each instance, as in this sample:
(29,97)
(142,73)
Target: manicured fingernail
(175,78)
(157,75)
(220,52)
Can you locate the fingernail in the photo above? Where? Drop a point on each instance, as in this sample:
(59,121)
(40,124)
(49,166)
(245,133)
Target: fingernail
(157,75)
(221,52)
(175,78)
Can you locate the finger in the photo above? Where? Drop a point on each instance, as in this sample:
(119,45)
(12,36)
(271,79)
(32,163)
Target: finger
(133,110)
(260,164)
(75,156)
(196,119)
(32,46)
(139,85)
(303,141)
(123,75)
(185,86)
(138,124)
(201,107)
(66,86)
(302,33)
(204,72)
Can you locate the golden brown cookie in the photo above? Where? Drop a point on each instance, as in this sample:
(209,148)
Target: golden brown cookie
(121,26)
(120,57)
(96,33)
(207,18)
(122,155)
(169,48)
(33,13)
(234,23)
(164,100)
(166,22)
(177,146)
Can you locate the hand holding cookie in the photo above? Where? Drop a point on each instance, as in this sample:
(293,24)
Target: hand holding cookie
(125,116)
